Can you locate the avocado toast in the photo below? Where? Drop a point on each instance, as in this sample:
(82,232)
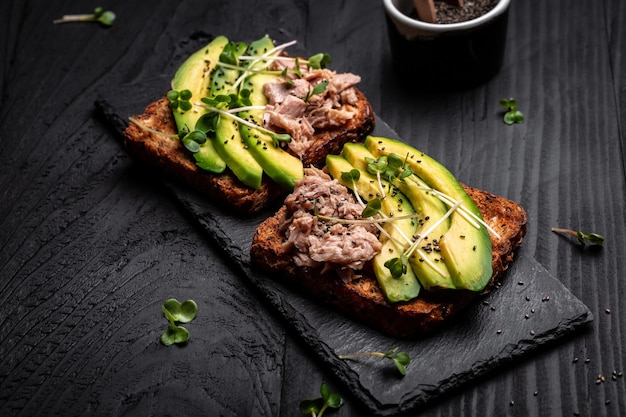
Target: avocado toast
(460,240)
(241,122)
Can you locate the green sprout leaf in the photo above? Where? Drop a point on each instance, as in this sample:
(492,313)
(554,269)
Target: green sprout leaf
(400,359)
(174,311)
(583,238)
(372,208)
(173,334)
(397,266)
(181,312)
(512,115)
(351,176)
(316,407)
(319,61)
(377,166)
(318,89)
(180,99)
(105,17)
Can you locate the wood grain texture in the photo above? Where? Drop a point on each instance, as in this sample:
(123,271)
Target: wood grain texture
(91,245)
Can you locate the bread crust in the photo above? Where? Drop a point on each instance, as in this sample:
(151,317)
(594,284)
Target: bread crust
(362,299)
(169,156)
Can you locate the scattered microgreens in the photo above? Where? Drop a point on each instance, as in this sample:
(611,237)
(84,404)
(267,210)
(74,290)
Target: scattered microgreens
(315,407)
(583,238)
(174,311)
(400,359)
(512,115)
(105,17)
(229,106)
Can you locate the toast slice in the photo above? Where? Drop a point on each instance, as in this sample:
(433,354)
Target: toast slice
(168,155)
(362,298)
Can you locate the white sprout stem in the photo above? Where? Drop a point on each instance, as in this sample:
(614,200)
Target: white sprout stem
(245,108)
(380,184)
(368,220)
(237,118)
(472,218)
(279,48)
(246,69)
(149,129)
(433,227)
(361,355)
(269,53)
(75,18)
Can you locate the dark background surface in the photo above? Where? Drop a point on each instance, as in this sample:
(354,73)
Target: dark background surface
(91,244)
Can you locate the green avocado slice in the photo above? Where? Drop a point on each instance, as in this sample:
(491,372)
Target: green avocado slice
(466,246)
(194,75)
(227,141)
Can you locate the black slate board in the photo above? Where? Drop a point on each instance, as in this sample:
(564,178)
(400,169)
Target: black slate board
(492,332)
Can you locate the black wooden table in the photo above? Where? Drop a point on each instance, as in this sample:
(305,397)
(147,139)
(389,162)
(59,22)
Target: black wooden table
(92,243)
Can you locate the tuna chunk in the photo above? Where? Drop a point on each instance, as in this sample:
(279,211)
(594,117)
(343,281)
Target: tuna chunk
(293,109)
(327,244)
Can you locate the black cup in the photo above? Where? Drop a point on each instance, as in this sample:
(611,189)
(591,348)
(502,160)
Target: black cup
(446,56)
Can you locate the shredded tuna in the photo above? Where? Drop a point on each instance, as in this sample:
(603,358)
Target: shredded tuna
(294,110)
(317,243)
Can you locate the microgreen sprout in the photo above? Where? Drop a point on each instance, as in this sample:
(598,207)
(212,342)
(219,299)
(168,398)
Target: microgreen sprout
(318,89)
(400,359)
(174,312)
(583,238)
(318,61)
(315,407)
(105,17)
(397,266)
(228,106)
(512,115)
(179,99)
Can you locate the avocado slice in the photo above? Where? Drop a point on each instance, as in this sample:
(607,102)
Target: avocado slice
(278,164)
(227,141)
(466,246)
(395,289)
(194,75)
(426,261)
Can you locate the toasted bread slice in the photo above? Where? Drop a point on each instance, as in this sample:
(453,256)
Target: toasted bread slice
(170,157)
(362,299)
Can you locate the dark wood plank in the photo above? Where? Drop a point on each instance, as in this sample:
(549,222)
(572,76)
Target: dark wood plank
(91,245)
